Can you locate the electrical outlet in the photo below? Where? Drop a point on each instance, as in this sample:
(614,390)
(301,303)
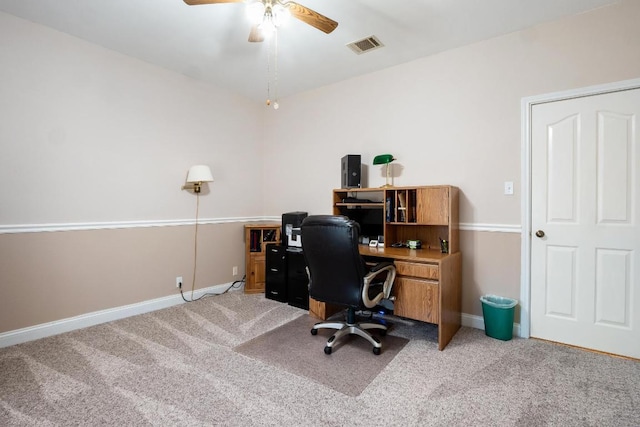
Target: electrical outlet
(235,270)
(508,188)
(179,282)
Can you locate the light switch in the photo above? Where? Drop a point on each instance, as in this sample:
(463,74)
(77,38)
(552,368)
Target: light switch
(508,188)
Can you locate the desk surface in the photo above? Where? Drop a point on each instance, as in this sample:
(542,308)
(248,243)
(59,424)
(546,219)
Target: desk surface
(405,254)
(441,296)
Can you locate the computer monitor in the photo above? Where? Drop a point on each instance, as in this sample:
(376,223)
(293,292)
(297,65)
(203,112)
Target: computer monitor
(371,221)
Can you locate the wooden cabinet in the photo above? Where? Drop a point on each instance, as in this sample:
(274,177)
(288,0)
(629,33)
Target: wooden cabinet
(416,299)
(323,310)
(428,281)
(416,291)
(257,237)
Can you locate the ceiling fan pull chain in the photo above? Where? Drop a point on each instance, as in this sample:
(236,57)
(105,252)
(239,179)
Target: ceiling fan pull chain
(266,16)
(268,73)
(276,105)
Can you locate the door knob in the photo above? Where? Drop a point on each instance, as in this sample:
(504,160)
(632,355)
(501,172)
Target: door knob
(540,233)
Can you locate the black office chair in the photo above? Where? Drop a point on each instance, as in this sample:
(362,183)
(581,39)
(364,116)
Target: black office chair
(339,275)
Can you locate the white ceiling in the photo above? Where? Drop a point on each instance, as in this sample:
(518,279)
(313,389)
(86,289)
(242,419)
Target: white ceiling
(209,42)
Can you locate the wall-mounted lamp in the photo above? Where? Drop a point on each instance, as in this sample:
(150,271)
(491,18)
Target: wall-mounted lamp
(196,176)
(384,159)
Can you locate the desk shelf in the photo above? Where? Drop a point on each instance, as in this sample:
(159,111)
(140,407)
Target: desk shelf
(426,213)
(361,205)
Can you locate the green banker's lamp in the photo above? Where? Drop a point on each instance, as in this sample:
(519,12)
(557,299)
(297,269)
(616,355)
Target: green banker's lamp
(384,159)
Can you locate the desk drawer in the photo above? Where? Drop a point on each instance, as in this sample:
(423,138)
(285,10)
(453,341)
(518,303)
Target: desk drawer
(416,269)
(416,299)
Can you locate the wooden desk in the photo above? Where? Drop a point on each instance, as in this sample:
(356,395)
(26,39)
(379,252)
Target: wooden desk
(428,283)
(426,288)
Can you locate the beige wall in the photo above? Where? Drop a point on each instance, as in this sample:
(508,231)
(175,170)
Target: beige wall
(490,264)
(452,118)
(91,138)
(54,275)
(90,135)
(110,139)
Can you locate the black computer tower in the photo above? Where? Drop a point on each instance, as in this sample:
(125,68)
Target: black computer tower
(350,166)
(276,273)
(297,279)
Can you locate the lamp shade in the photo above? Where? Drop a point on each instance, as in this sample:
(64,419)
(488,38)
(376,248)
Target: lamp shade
(382,159)
(199,173)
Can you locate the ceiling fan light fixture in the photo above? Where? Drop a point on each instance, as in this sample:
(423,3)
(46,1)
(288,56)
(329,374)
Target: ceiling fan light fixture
(267,27)
(255,12)
(279,10)
(280,15)
(267,15)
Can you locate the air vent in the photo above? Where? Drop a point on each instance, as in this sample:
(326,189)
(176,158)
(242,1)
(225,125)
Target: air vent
(365,45)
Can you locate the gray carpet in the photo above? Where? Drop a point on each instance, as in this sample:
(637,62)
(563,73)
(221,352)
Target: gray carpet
(349,369)
(178,367)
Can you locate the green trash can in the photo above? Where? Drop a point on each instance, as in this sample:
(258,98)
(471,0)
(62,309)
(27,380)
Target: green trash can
(498,316)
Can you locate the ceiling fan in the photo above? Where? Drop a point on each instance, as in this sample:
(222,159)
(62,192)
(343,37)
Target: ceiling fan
(267,15)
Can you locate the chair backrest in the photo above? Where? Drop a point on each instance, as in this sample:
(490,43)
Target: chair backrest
(336,269)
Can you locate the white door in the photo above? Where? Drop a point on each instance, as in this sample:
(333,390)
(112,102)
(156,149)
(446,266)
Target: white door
(585,251)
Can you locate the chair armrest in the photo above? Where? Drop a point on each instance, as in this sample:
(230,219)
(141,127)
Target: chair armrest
(378,269)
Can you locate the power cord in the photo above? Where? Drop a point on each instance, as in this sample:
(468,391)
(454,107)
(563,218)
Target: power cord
(195,249)
(210,294)
(195,264)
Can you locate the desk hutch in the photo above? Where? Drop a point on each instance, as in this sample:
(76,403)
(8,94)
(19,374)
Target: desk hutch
(428,282)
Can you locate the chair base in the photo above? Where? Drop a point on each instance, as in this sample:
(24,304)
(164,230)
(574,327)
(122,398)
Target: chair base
(350,328)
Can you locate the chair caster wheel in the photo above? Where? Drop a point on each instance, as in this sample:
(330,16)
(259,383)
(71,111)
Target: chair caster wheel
(376,350)
(314,332)
(327,350)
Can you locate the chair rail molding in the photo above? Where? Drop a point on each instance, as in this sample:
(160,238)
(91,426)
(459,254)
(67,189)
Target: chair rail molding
(40,228)
(80,226)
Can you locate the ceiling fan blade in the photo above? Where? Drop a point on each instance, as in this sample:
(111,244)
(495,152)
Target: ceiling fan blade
(256,36)
(311,17)
(197,2)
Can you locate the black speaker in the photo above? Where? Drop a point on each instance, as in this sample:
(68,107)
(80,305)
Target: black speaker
(350,166)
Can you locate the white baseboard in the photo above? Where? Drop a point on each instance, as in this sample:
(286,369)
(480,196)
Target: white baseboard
(43,330)
(477,322)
